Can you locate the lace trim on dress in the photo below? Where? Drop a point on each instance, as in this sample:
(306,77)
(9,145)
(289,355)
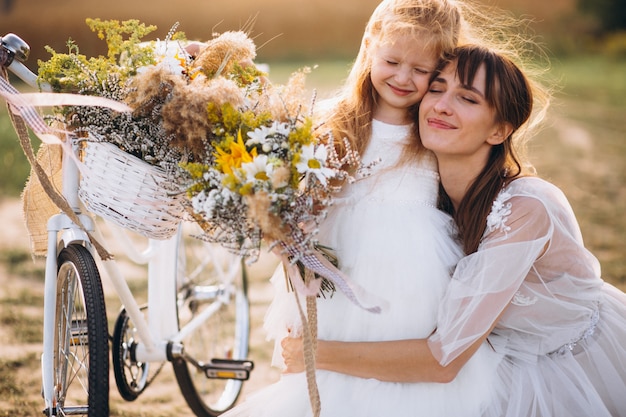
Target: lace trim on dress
(569,347)
(520,299)
(500,211)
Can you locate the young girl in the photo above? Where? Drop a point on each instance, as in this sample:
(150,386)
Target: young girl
(386,231)
(527,283)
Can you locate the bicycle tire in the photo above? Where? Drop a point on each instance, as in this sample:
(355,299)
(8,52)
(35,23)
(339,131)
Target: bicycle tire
(81,349)
(224,335)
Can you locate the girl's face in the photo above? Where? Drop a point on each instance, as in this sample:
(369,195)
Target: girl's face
(400,73)
(456,121)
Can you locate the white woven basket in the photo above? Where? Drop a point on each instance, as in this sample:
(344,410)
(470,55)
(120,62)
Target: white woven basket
(128,191)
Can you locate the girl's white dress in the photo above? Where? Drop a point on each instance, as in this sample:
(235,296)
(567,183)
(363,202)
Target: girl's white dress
(391,240)
(563,330)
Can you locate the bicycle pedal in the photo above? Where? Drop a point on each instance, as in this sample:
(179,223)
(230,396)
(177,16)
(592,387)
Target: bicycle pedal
(228,369)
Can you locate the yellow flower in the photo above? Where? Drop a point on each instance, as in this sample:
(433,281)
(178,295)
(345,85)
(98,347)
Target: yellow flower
(236,154)
(247,189)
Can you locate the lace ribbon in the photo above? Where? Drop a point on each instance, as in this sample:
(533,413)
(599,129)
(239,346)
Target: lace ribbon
(23,105)
(22,113)
(317,263)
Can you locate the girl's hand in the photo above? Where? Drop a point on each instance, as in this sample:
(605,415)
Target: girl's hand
(293,354)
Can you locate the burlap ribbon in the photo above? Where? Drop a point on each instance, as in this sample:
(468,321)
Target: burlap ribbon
(309,340)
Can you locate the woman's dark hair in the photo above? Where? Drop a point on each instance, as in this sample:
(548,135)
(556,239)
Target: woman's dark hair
(509,93)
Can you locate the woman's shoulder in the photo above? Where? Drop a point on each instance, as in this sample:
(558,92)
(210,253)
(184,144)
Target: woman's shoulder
(522,203)
(534,187)
(536,195)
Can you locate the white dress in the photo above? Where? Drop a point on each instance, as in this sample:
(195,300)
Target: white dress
(391,240)
(563,330)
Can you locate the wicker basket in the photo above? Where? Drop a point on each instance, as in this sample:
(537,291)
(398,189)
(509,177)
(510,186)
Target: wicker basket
(129,192)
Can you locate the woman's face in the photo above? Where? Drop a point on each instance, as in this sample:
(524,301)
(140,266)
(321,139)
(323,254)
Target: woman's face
(400,73)
(455,120)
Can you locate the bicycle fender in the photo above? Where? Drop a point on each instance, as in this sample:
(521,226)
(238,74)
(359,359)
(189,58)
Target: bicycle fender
(70,236)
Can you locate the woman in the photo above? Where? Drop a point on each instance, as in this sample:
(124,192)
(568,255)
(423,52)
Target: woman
(527,284)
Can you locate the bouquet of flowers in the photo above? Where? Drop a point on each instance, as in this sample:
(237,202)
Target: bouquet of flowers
(254,164)
(266,178)
(269,175)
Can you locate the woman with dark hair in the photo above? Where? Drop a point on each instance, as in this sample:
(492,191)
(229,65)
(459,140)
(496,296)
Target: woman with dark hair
(527,284)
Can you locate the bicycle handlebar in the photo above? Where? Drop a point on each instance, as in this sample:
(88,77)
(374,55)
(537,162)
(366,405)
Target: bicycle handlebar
(14,52)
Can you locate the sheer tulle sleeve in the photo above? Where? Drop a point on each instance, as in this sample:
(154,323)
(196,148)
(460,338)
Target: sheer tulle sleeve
(518,232)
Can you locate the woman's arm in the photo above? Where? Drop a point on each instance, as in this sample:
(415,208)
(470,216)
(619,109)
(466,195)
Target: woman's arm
(483,285)
(391,361)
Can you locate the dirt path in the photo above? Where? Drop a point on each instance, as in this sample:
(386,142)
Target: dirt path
(21,294)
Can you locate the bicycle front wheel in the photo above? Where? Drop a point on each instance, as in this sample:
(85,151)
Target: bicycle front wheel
(81,350)
(209,277)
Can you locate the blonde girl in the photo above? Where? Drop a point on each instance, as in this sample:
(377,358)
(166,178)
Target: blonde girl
(386,232)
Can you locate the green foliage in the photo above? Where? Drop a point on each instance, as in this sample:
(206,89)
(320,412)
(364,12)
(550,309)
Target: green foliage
(245,75)
(579,77)
(74,72)
(112,31)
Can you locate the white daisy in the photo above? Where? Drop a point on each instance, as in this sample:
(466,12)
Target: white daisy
(258,169)
(313,161)
(261,135)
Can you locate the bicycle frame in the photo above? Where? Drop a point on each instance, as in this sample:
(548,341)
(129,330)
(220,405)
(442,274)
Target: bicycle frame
(158,334)
(70,233)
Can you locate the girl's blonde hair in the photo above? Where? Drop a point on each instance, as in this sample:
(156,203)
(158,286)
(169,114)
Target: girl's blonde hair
(440,25)
(434,23)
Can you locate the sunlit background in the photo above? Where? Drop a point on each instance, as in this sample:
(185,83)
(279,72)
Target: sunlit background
(582,148)
(296,29)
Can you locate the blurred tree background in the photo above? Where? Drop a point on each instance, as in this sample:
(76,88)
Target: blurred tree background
(296,29)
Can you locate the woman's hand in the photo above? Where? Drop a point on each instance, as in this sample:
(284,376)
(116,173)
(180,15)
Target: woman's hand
(293,354)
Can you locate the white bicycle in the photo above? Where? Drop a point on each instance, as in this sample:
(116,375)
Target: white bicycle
(196,316)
